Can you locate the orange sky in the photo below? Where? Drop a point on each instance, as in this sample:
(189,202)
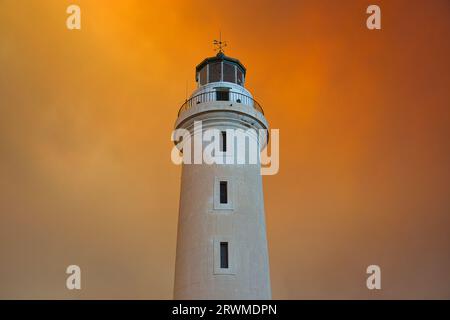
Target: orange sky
(86,117)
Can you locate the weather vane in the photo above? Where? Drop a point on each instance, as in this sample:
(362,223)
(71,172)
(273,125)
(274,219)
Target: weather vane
(219,44)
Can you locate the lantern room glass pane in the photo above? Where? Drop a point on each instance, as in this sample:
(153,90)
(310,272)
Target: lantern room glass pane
(229,73)
(214,72)
(240,77)
(203,80)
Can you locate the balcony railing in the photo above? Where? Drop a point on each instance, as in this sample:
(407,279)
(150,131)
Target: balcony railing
(229,96)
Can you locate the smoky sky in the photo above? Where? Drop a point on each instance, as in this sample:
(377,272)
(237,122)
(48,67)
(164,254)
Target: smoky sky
(86,118)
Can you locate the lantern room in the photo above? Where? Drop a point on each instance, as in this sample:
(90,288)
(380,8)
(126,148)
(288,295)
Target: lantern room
(220,68)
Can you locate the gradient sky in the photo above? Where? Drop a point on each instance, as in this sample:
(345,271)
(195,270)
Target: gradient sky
(86,118)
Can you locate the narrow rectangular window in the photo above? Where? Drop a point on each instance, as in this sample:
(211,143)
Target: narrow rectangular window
(223,191)
(223,145)
(224,255)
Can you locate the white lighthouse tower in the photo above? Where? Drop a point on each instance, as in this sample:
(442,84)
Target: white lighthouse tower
(222,246)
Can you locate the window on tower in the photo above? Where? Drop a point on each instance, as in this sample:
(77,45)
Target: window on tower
(223,141)
(224,255)
(223,94)
(223,192)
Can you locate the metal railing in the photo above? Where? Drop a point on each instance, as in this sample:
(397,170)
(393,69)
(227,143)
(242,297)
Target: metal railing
(227,96)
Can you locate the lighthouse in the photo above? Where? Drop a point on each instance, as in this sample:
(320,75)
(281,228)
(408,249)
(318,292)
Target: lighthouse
(222,250)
